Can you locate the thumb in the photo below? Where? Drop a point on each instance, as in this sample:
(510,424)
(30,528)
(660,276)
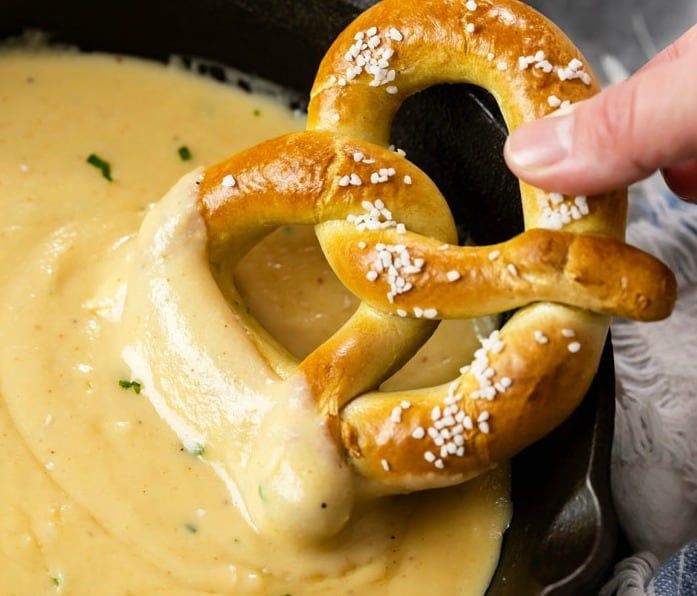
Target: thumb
(620,136)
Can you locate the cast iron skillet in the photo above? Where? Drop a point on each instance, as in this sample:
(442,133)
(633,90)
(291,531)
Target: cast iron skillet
(563,532)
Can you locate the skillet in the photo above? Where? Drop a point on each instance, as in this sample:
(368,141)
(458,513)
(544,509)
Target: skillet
(563,533)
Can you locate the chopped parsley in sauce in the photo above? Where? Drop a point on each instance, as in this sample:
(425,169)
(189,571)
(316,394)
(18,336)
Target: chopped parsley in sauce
(184,153)
(197,449)
(191,528)
(257,112)
(126,384)
(100,164)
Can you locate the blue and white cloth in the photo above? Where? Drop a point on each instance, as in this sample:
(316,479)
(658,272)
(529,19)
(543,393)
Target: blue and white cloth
(678,575)
(641,575)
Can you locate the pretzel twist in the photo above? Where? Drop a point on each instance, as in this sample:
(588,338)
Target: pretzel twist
(526,378)
(388,234)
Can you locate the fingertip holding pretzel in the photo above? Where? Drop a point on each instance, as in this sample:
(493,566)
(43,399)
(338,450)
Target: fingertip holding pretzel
(388,234)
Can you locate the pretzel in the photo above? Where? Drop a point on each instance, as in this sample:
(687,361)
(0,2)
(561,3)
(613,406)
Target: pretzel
(389,236)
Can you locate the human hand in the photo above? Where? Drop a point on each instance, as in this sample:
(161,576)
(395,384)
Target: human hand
(621,135)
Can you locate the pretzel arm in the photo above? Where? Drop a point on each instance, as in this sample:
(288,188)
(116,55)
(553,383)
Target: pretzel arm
(548,382)
(297,179)
(598,274)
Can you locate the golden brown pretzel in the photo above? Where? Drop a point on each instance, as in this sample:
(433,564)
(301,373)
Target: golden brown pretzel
(387,232)
(529,376)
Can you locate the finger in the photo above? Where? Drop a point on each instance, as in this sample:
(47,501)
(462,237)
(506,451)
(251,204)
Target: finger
(682,179)
(614,139)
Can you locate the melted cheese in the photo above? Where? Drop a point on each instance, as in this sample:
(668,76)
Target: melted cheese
(106,490)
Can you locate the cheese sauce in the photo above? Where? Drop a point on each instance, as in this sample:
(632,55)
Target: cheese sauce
(107,486)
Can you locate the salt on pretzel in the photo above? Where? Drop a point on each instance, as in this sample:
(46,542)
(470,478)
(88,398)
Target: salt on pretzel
(374,210)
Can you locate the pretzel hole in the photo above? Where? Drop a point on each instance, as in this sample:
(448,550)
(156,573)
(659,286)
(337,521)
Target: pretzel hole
(290,289)
(455,133)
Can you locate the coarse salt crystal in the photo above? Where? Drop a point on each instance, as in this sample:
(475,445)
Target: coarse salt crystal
(395,34)
(540,337)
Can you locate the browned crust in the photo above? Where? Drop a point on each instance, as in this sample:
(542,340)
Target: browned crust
(598,274)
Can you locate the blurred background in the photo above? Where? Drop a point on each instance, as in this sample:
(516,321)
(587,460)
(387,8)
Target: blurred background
(630,31)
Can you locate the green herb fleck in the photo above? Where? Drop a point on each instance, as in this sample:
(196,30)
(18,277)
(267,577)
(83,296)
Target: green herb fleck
(125,384)
(184,153)
(100,164)
(56,580)
(262,496)
(257,112)
(191,528)
(198,449)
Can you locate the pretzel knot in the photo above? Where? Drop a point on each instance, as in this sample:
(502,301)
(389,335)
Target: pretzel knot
(388,234)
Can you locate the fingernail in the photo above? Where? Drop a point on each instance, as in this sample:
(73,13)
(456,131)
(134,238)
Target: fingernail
(541,144)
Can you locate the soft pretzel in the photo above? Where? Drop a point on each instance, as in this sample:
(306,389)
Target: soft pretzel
(543,360)
(388,234)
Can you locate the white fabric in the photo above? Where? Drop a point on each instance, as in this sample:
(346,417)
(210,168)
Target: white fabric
(654,464)
(654,459)
(632,576)
(654,467)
